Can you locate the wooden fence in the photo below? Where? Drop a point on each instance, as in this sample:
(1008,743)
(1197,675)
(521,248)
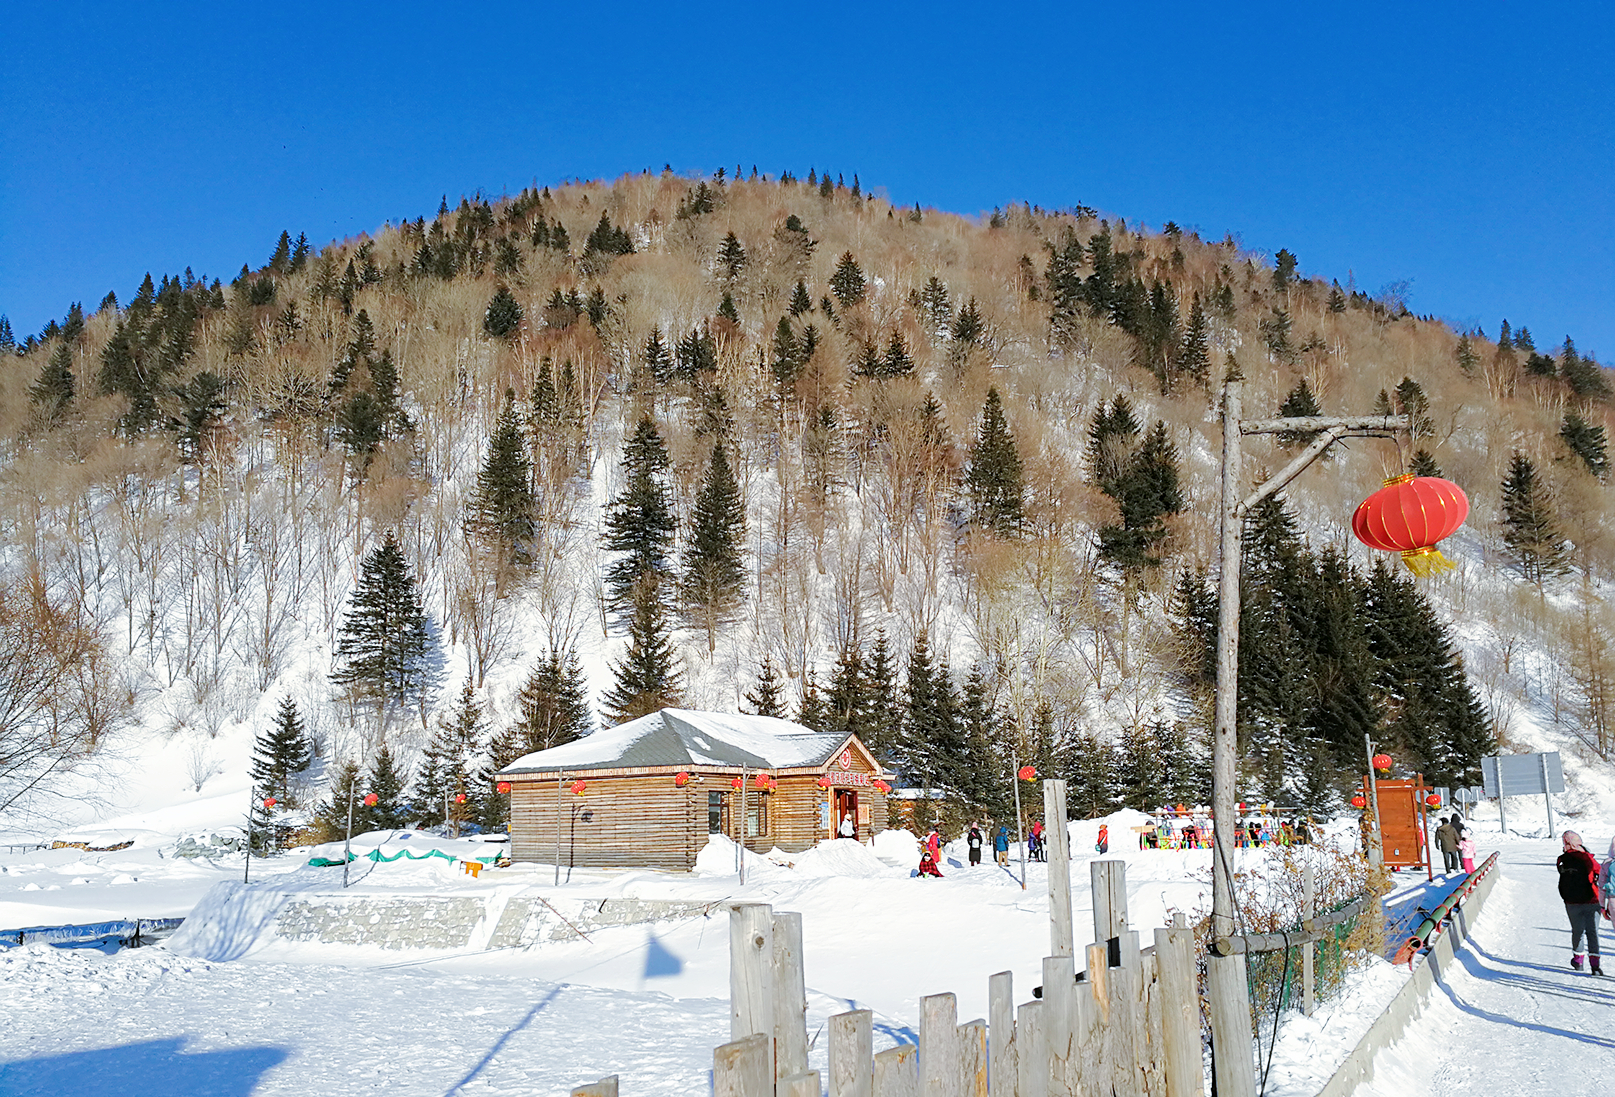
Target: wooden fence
(1129,1026)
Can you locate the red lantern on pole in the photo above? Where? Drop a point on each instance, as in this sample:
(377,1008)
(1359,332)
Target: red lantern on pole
(1411,515)
(371,800)
(1382,762)
(460,799)
(737,783)
(271,802)
(1359,801)
(681,779)
(1027,773)
(577,787)
(1433,800)
(503,787)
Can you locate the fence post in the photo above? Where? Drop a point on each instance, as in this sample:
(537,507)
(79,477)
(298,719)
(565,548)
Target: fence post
(751,975)
(805,1084)
(972,1041)
(605,1087)
(1031,1052)
(939,1047)
(1001,1037)
(1233,1053)
(1125,1037)
(852,1051)
(790,997)
(1109,880)
(1180,1009)
(1059,1021)
(1309,899)
(741,1068)
(1057,851)
(1095,1019)
(896,1073)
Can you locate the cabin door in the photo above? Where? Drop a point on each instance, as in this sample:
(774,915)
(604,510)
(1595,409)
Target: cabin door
(846,809)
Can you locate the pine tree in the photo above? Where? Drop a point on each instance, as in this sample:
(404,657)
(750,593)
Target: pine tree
(52,394)
(847,283)
(936,308)
(1532,530)
(1283,269)
(387,782)
(714,576)
(1194,359)
(995,477)
(503,317)
(639,522)
(449,766)
(883,720)
(1146,492)
(385,644)
(767,697)
(801,303)
(727,310)
(731,257)
(553,704)
(1299,403)
(300,253)
(1337,300)
(282,750)
(1423,463)
(969,328)
(502,509)
(933,752)
(1584,375)
(201,407)
(1467,359)
(281,260)
(898,362)
(1111,436)
(1587,442)
(648,678)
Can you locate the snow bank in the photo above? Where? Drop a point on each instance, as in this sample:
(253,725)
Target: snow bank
(843,857)
(229,921)
(898,847)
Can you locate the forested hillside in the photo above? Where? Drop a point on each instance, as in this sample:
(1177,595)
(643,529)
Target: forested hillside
(480,481)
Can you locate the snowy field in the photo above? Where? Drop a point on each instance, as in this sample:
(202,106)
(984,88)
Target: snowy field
(650,1002)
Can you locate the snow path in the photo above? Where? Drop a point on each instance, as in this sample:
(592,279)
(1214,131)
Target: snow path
(1510,1015)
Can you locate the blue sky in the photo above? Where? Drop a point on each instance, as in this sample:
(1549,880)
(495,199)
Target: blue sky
(1466,148)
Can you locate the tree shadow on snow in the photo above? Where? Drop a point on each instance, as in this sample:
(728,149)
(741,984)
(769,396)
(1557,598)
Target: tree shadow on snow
(156,1068)
(498,1046)
(1528,985)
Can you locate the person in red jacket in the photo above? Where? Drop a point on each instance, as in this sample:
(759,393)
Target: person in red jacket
(1578,887)
(928,865)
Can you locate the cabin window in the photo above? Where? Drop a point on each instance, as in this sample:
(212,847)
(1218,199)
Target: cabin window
(715,813)
(757,815)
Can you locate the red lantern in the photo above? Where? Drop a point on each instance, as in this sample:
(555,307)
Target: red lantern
(271,802)
(460,799)
(824,782)
(1411,515)
(883,787)
(1239,806)
(577,787)
(503,787)
(1359,801)
(1027,773)
(681,779)
(371,800)
(737,783)
(760,781)
(1433,800)
(1382,762)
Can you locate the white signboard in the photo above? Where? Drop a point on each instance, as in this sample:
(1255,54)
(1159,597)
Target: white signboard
(1522,774)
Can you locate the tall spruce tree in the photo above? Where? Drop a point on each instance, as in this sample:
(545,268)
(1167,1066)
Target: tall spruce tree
(281,752)
(995,477)
(384,646)
(767,697)
(450,767)
(847,283)
(502,509)
(714,575)
(883,719)
(553,704)
(1531,528)
(1299,403)
(1194,356)
(52,393)
(1146,492)
(503,317)
(639,522)
(934,751)
(1587,442)
(648,677)
(388,782)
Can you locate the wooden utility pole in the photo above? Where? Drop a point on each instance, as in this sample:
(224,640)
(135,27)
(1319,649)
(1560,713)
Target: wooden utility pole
(1233,1062)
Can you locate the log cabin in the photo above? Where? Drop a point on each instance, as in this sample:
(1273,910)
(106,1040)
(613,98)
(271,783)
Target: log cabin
(650,792)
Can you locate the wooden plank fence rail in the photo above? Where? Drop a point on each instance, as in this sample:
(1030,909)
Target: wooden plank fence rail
(1128,1026)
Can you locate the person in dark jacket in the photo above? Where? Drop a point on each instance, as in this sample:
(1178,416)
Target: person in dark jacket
(973,840)
(1447,843)
(1578,887)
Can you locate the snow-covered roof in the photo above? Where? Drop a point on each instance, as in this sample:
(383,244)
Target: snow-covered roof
(681,737)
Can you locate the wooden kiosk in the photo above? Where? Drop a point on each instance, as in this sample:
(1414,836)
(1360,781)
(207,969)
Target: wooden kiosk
(1401,809)
(652,791)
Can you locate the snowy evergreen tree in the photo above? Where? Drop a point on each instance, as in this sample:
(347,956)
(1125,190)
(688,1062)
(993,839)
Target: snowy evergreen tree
(502,509)
(995,478)
(1531,529)
(52,393)
(648,676)
(639,522)
(767,697)
(714,575)
(450,766)
(280,752)
(384,646)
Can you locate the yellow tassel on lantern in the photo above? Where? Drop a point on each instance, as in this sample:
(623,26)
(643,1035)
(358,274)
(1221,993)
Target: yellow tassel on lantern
(1425,562)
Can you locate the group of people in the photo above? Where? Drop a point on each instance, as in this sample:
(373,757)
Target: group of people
(1455,844)
(1584,885)
(1193,834)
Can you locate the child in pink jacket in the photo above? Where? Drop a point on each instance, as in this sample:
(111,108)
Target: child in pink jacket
(1466,850)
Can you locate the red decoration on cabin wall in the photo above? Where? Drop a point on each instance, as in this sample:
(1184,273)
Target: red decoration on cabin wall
(371,800)
(460,799)
(577,787)
(681,779)
(503,786)
(1411,515)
